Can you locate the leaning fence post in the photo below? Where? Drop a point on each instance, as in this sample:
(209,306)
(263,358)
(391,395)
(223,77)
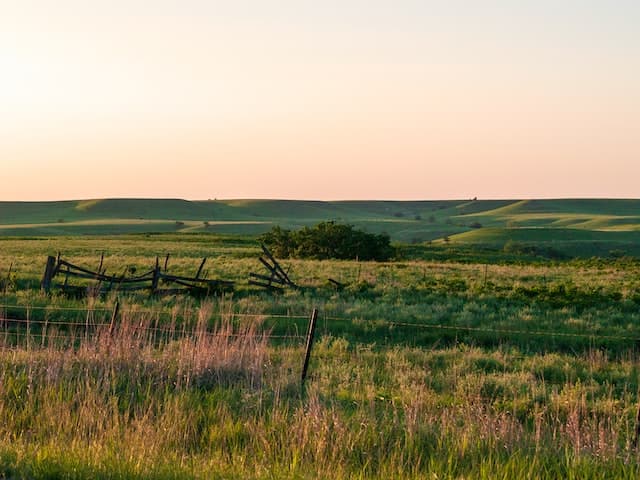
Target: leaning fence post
(48,274)
(310,333)
(200,269)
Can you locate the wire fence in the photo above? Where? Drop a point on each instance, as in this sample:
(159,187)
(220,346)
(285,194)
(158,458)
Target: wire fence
(56,308)
(140,328)
(19,325)
(501,331)
(91,320)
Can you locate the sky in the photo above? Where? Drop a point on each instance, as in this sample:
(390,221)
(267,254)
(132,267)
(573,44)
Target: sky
(326,100)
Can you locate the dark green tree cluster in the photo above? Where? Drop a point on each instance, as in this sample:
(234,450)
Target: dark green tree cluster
(328,240)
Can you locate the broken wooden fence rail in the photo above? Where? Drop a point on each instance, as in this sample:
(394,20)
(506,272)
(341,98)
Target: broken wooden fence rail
(277,280)
(79,272)
(276,268)
(149,280)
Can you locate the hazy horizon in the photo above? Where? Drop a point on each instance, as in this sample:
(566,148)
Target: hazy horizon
(53,200)
(353,100)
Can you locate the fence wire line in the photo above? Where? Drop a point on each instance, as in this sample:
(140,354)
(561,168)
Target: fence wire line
(182,336)
(442,326)
(168,330)
(149,312)
(87,311)
(28,321)
(591,336)
(385,323)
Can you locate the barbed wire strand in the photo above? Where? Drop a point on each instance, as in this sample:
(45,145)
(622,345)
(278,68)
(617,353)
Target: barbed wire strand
(146,311)
(83,329)
(499,331)
(181,335)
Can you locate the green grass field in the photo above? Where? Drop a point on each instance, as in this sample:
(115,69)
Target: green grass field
(495,351)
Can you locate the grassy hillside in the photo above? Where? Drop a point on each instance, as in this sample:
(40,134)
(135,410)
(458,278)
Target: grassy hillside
(404,221)
(583,226)
(584,214)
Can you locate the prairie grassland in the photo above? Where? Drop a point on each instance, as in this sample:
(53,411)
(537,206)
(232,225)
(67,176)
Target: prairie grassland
(422,369)
(225,404)
(599,298)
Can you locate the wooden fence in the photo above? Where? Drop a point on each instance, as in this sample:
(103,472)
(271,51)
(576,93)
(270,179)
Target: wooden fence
(156,281)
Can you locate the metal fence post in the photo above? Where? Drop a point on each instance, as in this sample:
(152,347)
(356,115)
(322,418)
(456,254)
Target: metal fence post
(310,333)
(114,317)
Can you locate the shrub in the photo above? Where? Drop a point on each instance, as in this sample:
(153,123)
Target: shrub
(280,241)
(328,240)
(543,251)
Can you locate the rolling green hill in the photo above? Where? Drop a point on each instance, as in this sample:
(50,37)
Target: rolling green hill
(586,214)
(584,226)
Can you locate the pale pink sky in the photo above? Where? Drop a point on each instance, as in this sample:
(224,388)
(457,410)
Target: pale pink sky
(321,100)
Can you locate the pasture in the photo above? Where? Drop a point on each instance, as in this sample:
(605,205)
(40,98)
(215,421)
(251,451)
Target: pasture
(425,366)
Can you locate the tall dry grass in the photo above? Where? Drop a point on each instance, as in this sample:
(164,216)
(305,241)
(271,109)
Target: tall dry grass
(200,400)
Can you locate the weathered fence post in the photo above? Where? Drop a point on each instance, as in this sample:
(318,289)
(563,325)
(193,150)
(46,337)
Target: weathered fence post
(200,269)
(48,274)
(310,333)
(156,278)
